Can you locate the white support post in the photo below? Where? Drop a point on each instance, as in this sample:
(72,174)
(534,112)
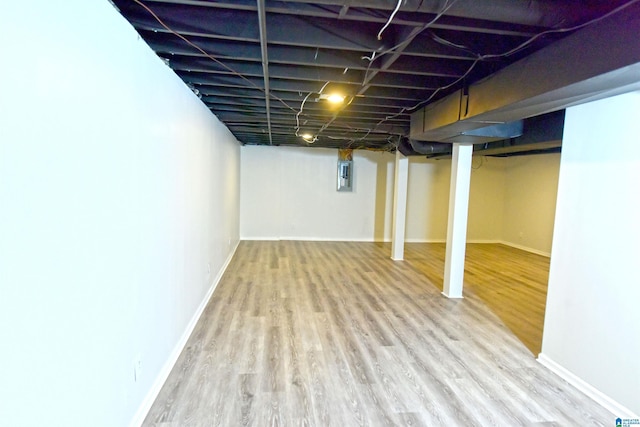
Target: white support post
(399,206)
(457,226)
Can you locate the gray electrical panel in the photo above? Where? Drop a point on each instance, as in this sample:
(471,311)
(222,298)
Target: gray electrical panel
(345,175)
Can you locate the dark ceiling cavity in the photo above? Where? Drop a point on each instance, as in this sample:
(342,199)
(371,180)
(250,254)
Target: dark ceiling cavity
(267,68)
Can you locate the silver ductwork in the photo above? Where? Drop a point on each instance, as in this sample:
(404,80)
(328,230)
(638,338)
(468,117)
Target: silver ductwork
(476,136)
(540,134)
(429,148)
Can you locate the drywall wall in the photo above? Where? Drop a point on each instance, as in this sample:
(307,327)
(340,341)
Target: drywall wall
(428,200)
(290,193)
(486,199)
(119,207)
(592,320)
(531,184)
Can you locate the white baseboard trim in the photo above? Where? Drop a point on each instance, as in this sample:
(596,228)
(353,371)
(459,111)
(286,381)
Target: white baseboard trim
(425,241)
(151,396)
(267,239)
(525,248)
(312,239)
(599,397)
(325,239)
(341,239)
(452,297)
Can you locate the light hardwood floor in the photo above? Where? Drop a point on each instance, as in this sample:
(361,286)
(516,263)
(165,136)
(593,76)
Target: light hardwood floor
(511,282)
(337,334)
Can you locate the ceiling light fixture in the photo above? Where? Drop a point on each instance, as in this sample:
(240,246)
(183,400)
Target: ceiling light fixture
(334,98)
(307,137)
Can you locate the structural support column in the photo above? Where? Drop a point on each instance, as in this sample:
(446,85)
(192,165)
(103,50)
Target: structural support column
(399,206)
(457,226)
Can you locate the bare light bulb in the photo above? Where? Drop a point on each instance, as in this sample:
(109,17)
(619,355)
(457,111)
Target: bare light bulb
(335,98)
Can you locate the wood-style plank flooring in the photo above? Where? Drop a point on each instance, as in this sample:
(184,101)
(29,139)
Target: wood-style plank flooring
(511,282)
(337,334)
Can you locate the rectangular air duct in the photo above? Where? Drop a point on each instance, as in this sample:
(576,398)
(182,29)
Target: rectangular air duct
(595,62)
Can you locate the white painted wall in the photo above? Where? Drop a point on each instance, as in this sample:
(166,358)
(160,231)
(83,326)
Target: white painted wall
(290,193)
(428,202)
(486,199)
(427,199)
(117,189)
(592,322)
(531,184)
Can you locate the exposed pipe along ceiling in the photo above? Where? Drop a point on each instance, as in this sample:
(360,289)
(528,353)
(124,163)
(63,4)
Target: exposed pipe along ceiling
(408,75)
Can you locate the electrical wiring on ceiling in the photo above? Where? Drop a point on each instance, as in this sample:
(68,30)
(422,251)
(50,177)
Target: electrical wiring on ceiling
(530,40)
(335,116)
(518,48)
(315,137)
(559,30)
(475,59)
(240,75)
(390,19)
(447,5)
(375,55)
(209,56)
(445,42)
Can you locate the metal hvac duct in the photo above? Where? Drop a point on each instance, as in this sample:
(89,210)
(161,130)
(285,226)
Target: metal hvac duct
(595,62)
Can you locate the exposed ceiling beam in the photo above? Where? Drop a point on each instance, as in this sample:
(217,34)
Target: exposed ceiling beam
(343,11)
(597,61)
(258,64)
(309,112)
(297,86)
(389,59)
(213,95)
(265,63)
(298,73)
(538,13)
(337,69)
(244,26)
(422,46)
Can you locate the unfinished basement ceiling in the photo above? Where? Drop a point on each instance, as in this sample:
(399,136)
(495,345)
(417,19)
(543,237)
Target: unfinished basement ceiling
(266,68)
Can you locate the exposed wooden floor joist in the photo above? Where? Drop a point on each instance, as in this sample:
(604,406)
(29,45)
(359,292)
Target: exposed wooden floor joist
(337,334)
